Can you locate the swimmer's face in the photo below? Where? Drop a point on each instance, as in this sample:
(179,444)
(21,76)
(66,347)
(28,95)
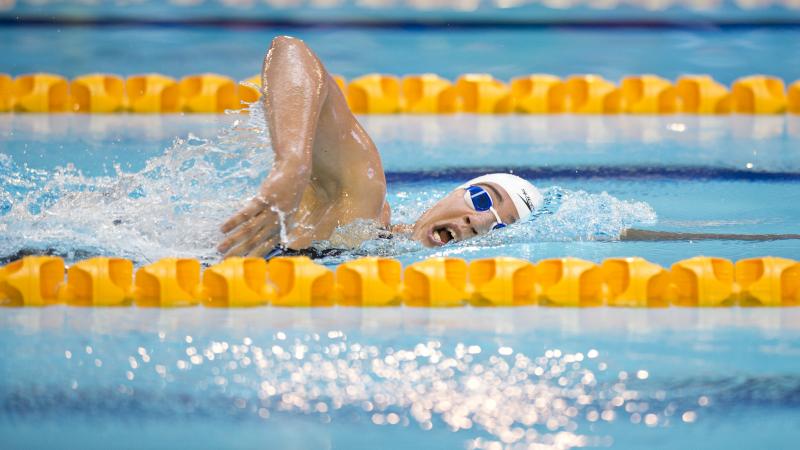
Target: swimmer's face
(452,219)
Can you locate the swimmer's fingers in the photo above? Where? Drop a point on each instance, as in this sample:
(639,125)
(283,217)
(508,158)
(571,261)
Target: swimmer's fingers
(265,247)
(263,227)
(250,211)
(233,239)
(247,247)
(244,232)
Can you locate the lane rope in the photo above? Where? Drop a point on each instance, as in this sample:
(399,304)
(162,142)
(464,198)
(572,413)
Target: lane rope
(412,94)
(378,282)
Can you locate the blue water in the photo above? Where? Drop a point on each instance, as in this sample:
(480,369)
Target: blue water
(340,378)
(344,378)
(452,11)
(397,378)
(726,54)
(85,185)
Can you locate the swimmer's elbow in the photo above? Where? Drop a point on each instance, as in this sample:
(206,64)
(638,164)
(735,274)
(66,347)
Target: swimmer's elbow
(284,41)
(286,47)
(293,64)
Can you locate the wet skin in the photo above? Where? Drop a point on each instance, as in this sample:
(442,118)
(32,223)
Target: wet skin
(327,171)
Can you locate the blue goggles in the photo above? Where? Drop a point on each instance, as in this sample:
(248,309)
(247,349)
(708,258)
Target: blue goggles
(478,199)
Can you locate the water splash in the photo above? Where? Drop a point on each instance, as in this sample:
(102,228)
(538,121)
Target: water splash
(172,207)
(175,204)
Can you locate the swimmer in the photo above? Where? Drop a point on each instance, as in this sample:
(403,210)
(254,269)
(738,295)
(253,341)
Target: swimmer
(328,173)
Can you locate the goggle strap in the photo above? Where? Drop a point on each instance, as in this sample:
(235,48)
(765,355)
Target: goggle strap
(497,218)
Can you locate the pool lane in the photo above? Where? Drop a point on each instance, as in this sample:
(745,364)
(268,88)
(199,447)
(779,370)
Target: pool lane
(601,174)
(613,52)
(544,146)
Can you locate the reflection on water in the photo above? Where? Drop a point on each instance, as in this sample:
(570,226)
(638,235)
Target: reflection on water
(490,379)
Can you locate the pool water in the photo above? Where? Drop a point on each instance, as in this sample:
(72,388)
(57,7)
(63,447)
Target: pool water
(396,378)
(399,377)
(147,187)
(726,53)
(80,186)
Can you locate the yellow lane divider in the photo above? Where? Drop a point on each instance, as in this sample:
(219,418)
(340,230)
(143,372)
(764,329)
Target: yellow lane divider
(413,94)
(376,282)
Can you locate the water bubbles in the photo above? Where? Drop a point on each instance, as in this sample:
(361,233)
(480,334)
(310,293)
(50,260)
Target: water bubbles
(579,215)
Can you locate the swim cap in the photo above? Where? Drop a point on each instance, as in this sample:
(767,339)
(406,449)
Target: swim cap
(525,196)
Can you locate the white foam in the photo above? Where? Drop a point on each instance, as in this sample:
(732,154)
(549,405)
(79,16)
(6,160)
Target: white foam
(172,207)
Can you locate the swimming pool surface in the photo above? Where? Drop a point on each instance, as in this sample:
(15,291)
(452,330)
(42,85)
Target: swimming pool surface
(146,187)
(395,378)
(125,186)
(726,53)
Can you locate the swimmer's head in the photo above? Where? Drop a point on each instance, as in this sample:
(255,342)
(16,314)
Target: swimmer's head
(477,207)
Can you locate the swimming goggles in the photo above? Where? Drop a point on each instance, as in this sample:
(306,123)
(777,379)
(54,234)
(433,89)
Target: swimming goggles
(478,199)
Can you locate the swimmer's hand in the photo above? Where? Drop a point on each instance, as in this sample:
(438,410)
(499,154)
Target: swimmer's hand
(255,229)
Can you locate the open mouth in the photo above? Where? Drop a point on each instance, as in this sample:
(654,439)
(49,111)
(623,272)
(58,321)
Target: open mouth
(443,235)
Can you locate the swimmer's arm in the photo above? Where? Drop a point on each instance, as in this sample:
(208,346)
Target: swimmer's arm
(295,87)
(294,90)
(633,234)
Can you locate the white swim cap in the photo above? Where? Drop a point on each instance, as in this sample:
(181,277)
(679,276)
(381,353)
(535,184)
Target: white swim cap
(525,196)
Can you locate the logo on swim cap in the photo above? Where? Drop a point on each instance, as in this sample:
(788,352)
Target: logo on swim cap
(527,200)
